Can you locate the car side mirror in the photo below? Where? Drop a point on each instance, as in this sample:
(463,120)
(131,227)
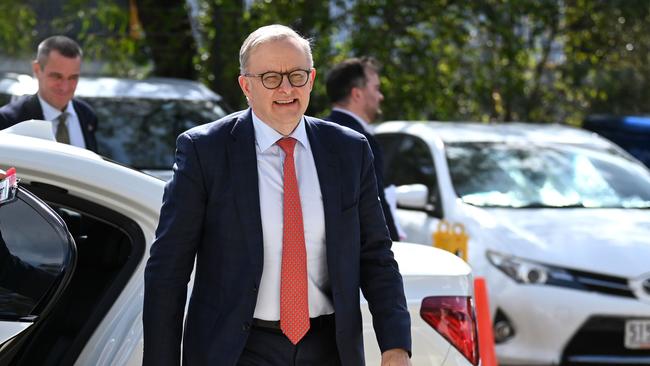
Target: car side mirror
(413,196)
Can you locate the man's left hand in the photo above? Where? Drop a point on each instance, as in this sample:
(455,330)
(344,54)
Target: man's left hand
(395,357)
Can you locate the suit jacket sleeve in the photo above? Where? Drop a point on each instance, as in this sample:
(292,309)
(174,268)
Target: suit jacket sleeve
(381,281)
(172,257)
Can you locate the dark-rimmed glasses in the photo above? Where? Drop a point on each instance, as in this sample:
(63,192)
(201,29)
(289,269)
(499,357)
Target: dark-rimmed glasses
(273,79)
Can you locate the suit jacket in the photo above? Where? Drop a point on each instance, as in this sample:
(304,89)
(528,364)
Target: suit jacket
(211,213)
(348,121)
(29,107)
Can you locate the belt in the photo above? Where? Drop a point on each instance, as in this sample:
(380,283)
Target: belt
(314,323)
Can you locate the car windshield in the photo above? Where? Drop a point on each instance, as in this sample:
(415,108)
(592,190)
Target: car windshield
(545,175)
(141,133)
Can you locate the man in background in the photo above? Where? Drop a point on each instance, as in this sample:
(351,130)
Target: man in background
(56,68)
(353,88)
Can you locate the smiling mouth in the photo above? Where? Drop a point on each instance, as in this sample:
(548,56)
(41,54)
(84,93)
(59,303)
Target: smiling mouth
(285,102)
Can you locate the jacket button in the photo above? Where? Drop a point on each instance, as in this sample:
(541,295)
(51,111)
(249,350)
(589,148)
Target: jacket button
(246,327)
(254,289)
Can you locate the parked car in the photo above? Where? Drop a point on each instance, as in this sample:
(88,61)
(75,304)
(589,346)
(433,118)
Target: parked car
(632,133)
(88,245)
(138,119)
(555,218)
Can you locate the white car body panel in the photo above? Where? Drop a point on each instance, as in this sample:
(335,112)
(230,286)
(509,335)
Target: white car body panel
(605,241)
(9,329)
(430,272)
(118,338)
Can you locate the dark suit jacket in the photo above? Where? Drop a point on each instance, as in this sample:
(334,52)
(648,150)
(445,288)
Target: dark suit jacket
(348,121)
(211,212)
(28,107)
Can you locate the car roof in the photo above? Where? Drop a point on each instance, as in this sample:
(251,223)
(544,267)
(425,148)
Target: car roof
(112,87)
(451,132)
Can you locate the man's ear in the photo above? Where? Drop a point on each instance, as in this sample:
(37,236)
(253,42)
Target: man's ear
(36,68)
(356,94)
(244,85)
(312,76)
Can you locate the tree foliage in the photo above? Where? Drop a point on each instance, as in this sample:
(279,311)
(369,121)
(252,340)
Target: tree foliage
(490,60)
(16,24)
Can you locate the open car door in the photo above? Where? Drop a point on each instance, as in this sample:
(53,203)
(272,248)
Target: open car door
(37,259)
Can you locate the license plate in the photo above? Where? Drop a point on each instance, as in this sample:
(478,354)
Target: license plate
(637,334)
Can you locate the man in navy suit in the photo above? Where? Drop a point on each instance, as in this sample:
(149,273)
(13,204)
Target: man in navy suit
(57,68)
(230,211)
(353,88)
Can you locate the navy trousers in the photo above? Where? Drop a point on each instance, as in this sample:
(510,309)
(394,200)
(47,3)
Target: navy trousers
(268,346)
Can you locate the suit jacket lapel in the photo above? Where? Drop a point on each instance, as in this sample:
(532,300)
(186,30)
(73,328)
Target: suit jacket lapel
(34,109)
(327,168)
(243,167)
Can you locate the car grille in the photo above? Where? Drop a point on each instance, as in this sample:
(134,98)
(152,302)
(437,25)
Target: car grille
(610,285)
(600,341)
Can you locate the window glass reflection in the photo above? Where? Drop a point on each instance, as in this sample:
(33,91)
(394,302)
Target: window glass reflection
(141,133)
(545,175)
(32,255)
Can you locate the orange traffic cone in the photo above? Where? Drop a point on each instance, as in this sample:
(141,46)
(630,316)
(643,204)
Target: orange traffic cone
(485,335)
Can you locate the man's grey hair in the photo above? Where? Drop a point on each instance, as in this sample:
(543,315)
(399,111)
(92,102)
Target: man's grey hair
(270,33)
(61,44)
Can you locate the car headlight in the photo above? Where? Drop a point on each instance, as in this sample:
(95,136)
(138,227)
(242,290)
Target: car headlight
(529,272)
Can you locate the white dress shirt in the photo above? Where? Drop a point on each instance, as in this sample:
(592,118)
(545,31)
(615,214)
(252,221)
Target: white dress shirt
(74,126)
(270,159)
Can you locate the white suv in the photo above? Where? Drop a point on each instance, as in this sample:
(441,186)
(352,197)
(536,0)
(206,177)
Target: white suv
(557,220)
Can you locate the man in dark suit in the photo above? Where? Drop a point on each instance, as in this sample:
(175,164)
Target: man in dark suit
(353,90)
(279,213)
(57,67)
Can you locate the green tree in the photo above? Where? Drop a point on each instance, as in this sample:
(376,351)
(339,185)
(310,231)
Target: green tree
(607,66)
(172,48)
(16,24)
(104,30)
(490,60)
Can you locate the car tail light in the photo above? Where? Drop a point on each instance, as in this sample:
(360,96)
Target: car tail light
(453,317)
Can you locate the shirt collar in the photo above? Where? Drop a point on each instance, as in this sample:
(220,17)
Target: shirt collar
(265,136)
(50,113)
(366,126)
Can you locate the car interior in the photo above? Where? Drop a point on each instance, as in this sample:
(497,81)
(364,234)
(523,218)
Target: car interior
(109,248)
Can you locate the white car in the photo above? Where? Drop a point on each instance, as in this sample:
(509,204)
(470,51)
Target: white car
(84,255)
(555,218)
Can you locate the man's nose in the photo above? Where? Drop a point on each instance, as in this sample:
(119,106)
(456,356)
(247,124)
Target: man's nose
(68,85)
(285,84)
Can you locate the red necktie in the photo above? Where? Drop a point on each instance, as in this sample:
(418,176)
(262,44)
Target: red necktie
(294,308)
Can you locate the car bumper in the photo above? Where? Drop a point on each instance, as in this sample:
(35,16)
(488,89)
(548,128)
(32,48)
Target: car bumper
(556,325)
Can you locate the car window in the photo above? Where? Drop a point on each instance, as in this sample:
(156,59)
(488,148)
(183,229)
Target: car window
(408,161)
(33,256)
(141,133)
(545,175)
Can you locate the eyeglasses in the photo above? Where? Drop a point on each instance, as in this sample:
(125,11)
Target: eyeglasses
(273,79)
